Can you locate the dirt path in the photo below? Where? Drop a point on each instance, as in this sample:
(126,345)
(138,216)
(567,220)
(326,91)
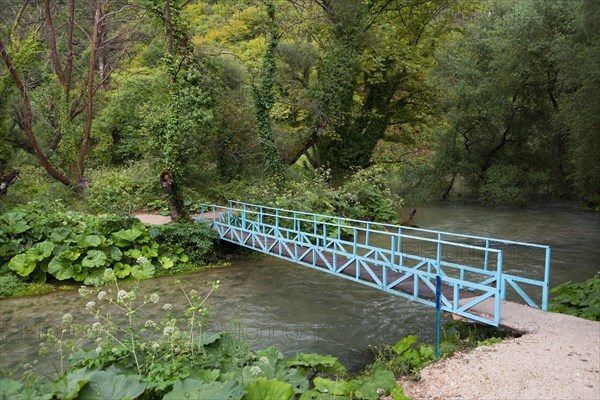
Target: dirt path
(558,359)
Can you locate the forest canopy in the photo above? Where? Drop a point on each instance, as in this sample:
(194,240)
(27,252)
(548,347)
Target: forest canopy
(320,104)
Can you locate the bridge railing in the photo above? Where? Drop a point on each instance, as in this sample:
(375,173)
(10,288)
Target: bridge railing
(520,257)
(404,249)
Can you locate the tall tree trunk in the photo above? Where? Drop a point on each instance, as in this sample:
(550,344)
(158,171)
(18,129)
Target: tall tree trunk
(263,99)
(169,27)
(28,121)
(81,181)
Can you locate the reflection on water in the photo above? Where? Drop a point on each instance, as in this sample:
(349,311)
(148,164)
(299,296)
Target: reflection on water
(273,302)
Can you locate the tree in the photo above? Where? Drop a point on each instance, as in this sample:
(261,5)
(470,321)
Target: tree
(263,98)
(67,152)
(506,101)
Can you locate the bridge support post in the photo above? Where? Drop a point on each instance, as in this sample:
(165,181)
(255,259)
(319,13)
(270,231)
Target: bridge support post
(438,312)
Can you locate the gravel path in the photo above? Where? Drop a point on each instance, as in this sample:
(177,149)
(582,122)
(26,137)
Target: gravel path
(558,359)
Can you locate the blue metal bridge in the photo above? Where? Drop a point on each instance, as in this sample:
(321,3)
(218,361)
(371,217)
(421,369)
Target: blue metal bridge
(401,260)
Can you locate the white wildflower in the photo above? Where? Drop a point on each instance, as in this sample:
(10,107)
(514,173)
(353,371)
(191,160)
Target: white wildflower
(96,326)
(169,330)
(167,307)
(193,293)
(154,298)
(98,350)
(122,295)
(84,291)
(99,340)
(101,295)
(155,346)
(141,260)
(264,360)
(109,275)
(114,350)
(149,324)
(90,305)
(380,391)
(67,318)
(255,371)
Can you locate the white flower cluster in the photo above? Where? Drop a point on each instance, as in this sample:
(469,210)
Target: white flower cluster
(255,371)
(167,307)
(154,298)
(141,260)
(67,318)
(101,295)
(122,295)
(90,305)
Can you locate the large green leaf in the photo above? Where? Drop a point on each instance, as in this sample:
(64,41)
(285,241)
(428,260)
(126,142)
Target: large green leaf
(338,388)
(125,237)
(94,258)
(71,384)
(205,375)
(327,364)
(114,253)
(122,270)
(17,227)
(40,251)
(268,389)
(193,389)
(142,271)
(21,264)
(366,386)
(294,377)
(94,277)
(61,268)
(60,234)
(110,385)
(166,262)
(90,241)
(10,389)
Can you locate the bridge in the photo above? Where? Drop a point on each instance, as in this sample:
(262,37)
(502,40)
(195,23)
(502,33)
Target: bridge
(405,261)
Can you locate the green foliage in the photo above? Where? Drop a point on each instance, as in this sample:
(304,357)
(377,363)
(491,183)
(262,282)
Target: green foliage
(408,356)
(364,195)
(189,243)
(176,359)
(520,113)
(66,245)
(579,299)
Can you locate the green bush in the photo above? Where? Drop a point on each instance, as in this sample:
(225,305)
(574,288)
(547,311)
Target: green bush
(579,299)
(11,285)
(364,195)
(36,241)
(123,190)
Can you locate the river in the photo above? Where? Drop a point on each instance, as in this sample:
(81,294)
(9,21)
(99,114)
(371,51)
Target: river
(268,301)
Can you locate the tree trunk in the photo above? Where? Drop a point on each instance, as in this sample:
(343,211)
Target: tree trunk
(81,181)
(169,27)
(177,209)
(7,180)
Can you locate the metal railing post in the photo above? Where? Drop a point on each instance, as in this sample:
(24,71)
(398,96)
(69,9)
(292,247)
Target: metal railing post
(438,258)
(546,287)
(487,252)
(499,288)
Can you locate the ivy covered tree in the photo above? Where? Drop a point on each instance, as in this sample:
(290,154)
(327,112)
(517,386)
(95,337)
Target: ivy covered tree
(511,103)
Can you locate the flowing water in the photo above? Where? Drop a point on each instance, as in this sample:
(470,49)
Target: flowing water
(272,302)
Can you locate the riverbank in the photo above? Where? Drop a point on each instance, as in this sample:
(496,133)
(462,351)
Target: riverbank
(557,358)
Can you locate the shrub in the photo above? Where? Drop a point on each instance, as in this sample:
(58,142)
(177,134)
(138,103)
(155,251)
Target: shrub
(36,241)
(122,190)
(579,299)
